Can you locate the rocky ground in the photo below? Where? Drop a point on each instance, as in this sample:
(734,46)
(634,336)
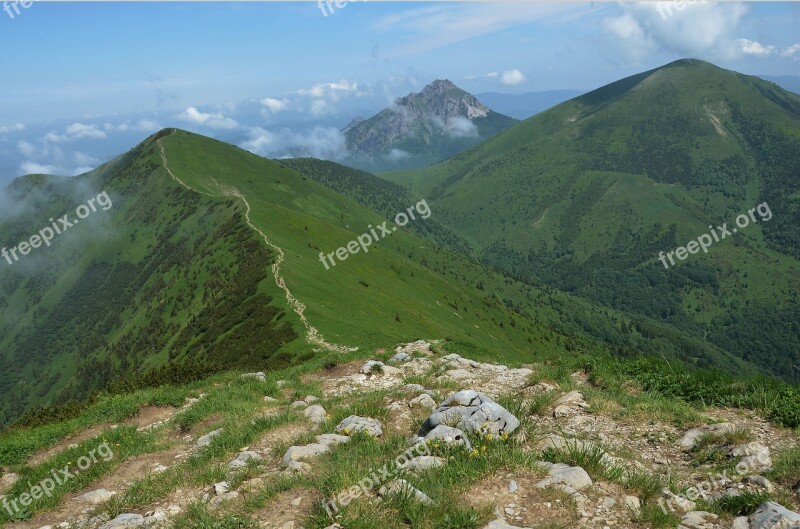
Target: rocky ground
(522,448)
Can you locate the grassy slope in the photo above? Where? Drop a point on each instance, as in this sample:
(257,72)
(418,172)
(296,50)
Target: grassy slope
(585,195)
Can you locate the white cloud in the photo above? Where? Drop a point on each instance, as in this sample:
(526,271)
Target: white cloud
(333,90)
(36,168)
(791,50)
(460,127)
(211,120)
(396,155)
(26,148)
(512,77)
(751,47)
(326,143)
(275,105)
(490,75)
(699,29)
(12,128)
(76,131)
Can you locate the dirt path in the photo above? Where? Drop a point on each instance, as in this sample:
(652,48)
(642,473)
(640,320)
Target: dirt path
(313,336)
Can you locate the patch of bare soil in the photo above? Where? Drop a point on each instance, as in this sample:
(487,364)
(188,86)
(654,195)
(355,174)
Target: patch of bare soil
(288,509)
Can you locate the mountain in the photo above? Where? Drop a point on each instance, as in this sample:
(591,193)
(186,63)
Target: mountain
(422,128)
(523,106)
(584,196)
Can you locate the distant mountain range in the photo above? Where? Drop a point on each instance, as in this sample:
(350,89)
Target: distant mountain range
(422,128)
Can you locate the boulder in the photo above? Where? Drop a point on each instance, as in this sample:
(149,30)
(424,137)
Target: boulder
(242,459)
(472,412)
(421,463)
(316,414)
(691,437)
(372,367)
(448,435)
(95,497)
(259,376)
(125,520)
(560,474)
(207,438)
(771,515)
(400,358)
(297,453)
(331,439)
(354,423)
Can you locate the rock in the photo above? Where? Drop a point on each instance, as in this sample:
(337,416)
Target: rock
(270,399)
(298,404)
(207,438)
(423,401)
(542,388)
(420,346)
(421,463)
(448,435)
(676,503)
(331,439)
(512,487)
(373,367)
(400,358)
(222,498)
(310,398)
(562,411)
(755,457)
(691,437)
(221,488)
(125,520)
(771,515)
(242,459)
(472,412)
(699,520)
(633,504)
(556,442)
(460,374)
(297,501)
(741,523)
(95,497)
(298,466)
(414,387)
(760,482)
(8,480)
(573,398)
(260,376)
(316,414)
(500,524)
(297,453)
(401,486)
(355,423)
(560,474)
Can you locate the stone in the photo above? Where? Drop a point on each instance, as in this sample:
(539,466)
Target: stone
(95,497)
(423,401)
(271,400)
(760,482)
(401,486)
(297,453)
(400,358)
(373,367)
(8,480)
(297,501)
(298,404)
(472,412)
(742,522)
(448,435)
(562,411)
(633,504)
(242,459)
(573,398)
(316,414)
(331,439)
(556,442)
(217,500)
(560,474)
(676,503)
(699,520)
(221,488)
(512,487)
(125,520)
(421,463)
(500,524)
(259,376)
(771,515)
(207,438)
(691,437)
(355,423)
(310,398)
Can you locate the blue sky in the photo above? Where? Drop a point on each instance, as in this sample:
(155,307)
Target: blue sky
(84,81)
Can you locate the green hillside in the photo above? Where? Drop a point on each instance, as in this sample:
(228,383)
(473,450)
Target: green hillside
(583,197)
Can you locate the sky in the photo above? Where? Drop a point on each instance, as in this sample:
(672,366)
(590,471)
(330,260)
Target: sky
(83,82)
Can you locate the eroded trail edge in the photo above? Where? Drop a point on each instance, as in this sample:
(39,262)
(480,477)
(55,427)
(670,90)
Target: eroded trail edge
(313,336)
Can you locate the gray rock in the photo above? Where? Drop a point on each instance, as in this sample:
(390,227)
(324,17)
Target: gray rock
(699,520)
(207,438)
(221,488)
(299,404)
(125,520)
(316,414)
(242,459)
(760,482)
(331,439)
(448,435)
(354,423)
(500,524)
(372,367)
(560,474)
(423,401)
(741,523)
(691,437)
(633,504)
(512,487)
(401,486)
(8,480)
(771,515)
(399,358)
(471,411)
(297,453)
(95,497)
(222,498)
(260,376)
(421,463)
